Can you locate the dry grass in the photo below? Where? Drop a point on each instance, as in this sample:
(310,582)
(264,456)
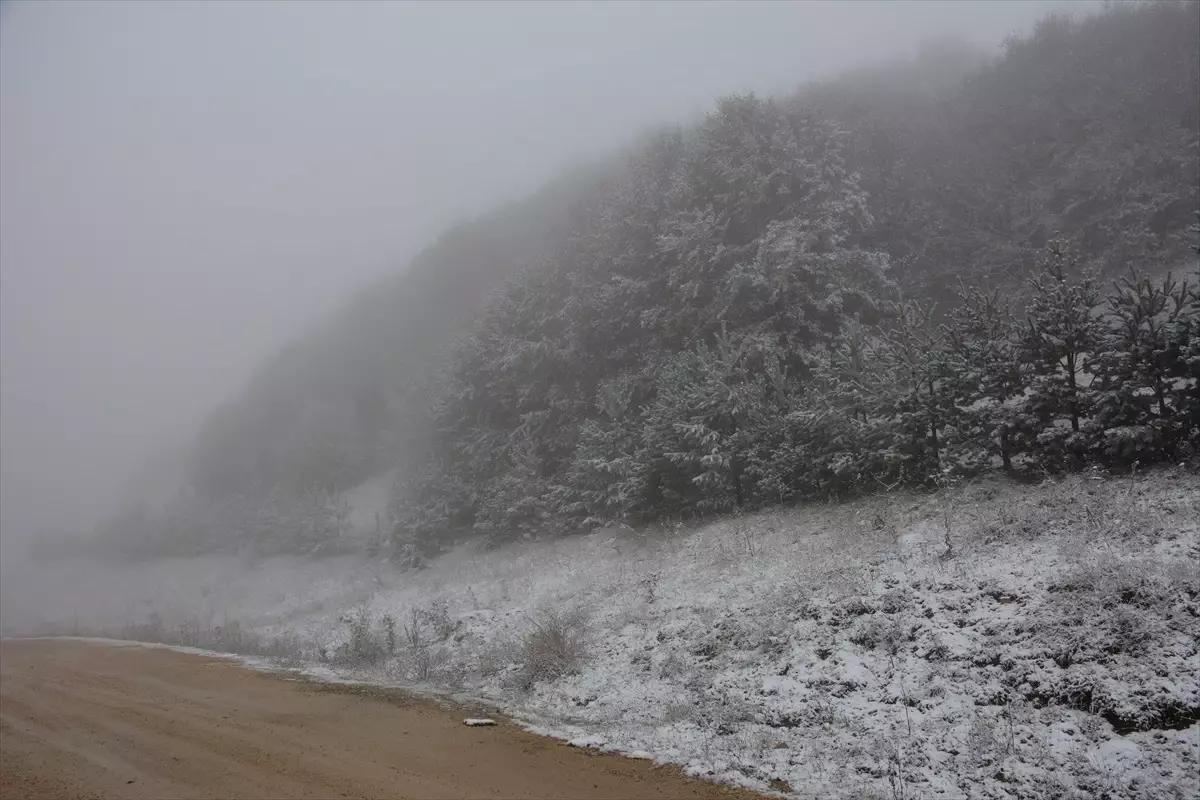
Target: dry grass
(230,636)
(554,646)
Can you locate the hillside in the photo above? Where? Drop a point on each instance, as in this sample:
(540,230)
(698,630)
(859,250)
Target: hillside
(345,403)
(750,320)
(999,641)
(328,410)
(627,343)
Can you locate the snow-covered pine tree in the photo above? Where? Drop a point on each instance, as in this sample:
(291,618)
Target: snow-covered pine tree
(605,482)
(1183,334)
(1061,335)
(840,433)
(517,499)
(1136,413)
(915,391)
(986,379)
(702,425)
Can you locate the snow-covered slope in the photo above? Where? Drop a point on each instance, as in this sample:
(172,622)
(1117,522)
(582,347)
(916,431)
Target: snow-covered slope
(996,641)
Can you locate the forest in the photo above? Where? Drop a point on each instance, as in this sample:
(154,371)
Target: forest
(909,275)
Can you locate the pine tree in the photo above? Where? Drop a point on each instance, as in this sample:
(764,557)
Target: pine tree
(517,499)
(1061,335)
(1183,335)
(605,483)
(765,228)
(703,423)
(915,390)
(841,433)
(986,379)
(430,509)
(1138,364)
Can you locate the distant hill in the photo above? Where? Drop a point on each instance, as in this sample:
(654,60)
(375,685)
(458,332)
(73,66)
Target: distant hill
(344,402)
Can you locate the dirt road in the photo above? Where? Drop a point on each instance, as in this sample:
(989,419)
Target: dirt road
(90,720)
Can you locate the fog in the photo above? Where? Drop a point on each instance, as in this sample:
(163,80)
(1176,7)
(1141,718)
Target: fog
(186,186)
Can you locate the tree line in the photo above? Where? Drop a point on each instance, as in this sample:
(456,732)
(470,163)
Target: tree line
(739,420)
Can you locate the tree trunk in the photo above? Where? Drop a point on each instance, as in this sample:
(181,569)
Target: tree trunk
(1073,400)
(735,469)
(933,428)
(933,440)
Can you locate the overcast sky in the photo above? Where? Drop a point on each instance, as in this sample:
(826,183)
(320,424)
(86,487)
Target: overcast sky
(184,186)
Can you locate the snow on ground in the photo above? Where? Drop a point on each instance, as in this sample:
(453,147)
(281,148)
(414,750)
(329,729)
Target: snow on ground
(996,641)
(368,504)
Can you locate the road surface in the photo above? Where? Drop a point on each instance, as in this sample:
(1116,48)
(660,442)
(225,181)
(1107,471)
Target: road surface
(98,721)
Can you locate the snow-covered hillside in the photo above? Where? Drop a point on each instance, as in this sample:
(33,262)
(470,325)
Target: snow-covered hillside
(996,641)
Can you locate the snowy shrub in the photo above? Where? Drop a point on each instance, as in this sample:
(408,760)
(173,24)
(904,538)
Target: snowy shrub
(857,607)
(230,636)
(389,634)
(435,616)
(554,646)
(432,664)
(364,644)
(894,601)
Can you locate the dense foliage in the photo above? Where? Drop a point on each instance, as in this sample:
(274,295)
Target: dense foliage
(747,418)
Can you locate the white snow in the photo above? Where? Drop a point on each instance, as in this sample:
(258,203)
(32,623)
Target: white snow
(588,741)
(832,651)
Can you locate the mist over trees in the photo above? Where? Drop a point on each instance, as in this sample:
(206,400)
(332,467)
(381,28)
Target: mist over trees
(910,275)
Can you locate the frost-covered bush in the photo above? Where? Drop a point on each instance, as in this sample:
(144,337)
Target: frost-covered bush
(554,646)
(227,636)
(365,643)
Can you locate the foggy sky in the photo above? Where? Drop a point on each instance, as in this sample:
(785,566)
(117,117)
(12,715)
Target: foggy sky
(185,186)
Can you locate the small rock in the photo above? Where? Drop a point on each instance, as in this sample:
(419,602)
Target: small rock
(587,741)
